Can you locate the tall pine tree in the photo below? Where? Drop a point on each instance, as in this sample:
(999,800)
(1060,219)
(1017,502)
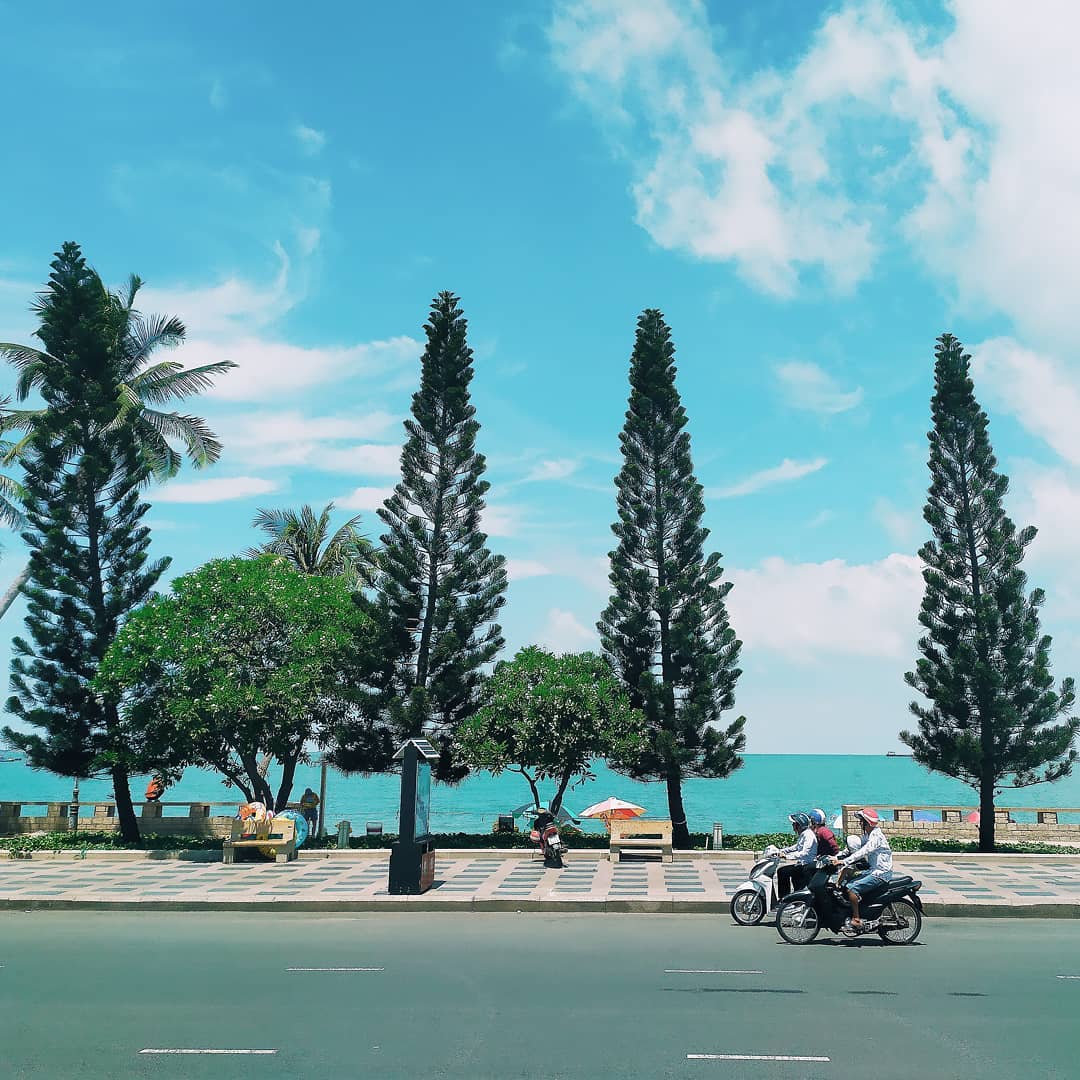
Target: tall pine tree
(666,628)
(89,563)
(994,718)
(439,588)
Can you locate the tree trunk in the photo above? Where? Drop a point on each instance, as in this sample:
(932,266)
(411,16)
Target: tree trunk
(125,812)
(14,589)
(564,783)
(288,771)
(986,814)
(680,834)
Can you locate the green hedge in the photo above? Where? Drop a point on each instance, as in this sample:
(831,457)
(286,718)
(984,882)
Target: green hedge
(17,846)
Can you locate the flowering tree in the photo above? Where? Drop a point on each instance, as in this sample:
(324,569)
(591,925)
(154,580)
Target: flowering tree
(547,717)
(247,657)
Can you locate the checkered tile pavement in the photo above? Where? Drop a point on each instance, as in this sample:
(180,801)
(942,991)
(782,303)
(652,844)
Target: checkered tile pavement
(1016,882)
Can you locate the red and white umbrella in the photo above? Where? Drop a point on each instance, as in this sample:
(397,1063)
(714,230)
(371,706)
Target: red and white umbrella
(613,808)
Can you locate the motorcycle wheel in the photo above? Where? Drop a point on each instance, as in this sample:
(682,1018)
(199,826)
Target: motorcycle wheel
(748,907)
(901,911)
(797,922)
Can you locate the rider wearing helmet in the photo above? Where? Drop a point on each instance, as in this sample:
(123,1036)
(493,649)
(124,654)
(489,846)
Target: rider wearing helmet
(803,852)
(876,851)
(826,842)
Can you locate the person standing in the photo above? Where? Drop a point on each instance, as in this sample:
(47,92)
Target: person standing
(309,807)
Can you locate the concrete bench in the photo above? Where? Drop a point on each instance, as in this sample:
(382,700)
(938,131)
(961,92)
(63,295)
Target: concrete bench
(279,835)
(640,835)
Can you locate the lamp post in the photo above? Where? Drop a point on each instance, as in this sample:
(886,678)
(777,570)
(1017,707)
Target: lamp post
(73,815)
(320,829)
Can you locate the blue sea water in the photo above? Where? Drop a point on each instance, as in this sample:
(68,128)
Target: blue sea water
(757,798)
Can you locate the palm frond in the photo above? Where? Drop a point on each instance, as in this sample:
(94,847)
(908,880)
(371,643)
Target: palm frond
(274,522)
(29,362)
(154,449)
(201,444)
(168,380)
(146,333)
(11,496)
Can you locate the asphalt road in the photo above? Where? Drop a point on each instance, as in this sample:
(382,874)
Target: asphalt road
(527,996)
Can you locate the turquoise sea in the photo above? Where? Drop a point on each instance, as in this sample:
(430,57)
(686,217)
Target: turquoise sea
(757,798)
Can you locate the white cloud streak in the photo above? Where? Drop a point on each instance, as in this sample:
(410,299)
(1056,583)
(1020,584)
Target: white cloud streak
(213,490)
(807,386)
(311,140)
(783,473)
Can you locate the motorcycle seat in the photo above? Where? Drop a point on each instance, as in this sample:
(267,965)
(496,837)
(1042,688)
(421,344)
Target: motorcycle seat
(901,879)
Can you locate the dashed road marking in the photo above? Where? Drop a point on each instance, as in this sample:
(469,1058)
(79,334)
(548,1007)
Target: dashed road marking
(1068,976)
(754,1057)
(711,971)
(193,1051)
(335,969)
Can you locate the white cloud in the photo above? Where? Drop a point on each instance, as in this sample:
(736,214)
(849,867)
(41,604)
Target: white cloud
(552,469)
(290,438)
(310,139)
(706,163)
(214,490)
(977,159)
(308,239)
(1034,387)
(806,386)
(500,521)
(364,498)
(219,97)
(780,474)
(564,632)
(520,569)
(805,610)
(900,526)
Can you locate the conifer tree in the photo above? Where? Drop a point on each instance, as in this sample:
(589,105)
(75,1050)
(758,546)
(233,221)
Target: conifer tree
(994,718)
(440,588)
(89,563)
(666,628)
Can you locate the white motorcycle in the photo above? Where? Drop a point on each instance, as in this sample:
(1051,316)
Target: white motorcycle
(753,899)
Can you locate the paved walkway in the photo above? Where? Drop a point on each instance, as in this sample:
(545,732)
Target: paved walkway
(494,880)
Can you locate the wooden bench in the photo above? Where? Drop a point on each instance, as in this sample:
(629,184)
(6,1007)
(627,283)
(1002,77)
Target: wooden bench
(640,835)
(279,835)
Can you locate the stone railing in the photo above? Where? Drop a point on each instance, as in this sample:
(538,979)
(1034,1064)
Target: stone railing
(195,818)
(1012,824)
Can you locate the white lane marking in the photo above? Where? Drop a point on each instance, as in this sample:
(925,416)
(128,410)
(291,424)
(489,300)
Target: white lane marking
(710,971)
(753,1057)
(1068,976)
(334,969)
(207,1051)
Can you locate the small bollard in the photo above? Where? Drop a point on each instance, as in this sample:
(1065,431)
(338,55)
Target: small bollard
(717,835)
(344,831)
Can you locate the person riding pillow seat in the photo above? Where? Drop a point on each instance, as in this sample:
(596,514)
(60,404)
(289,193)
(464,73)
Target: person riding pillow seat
(826,841)
(876,851)
(802,853)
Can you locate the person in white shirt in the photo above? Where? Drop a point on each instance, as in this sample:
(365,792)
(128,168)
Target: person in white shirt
(876,851)
(803,852)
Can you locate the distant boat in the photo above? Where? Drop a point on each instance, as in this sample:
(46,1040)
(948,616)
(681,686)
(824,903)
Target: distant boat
(893,753)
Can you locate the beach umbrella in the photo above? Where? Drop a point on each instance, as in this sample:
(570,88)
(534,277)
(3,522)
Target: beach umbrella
(973,817)
(563,816)
(613,808)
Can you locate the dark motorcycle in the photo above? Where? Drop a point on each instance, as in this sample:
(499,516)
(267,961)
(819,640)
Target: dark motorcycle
(894,912)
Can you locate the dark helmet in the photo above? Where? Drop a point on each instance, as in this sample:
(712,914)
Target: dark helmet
(800,821)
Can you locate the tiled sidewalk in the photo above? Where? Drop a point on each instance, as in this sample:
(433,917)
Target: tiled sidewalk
(497,881)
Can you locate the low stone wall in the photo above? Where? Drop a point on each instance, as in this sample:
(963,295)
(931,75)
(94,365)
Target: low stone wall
(198,821)
(1047,828)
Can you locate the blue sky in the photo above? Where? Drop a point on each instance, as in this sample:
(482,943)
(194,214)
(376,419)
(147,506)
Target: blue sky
(811,193)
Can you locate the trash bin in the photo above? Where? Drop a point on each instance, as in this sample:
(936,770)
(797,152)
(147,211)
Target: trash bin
(717,835)
(344,831)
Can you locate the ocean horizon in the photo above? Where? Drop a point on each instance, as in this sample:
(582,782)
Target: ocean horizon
(756,798)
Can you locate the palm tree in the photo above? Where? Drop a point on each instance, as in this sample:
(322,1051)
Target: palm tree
(305,541)
(143,387)
(11,515)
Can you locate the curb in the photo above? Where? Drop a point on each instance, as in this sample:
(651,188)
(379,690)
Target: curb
(420,903)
